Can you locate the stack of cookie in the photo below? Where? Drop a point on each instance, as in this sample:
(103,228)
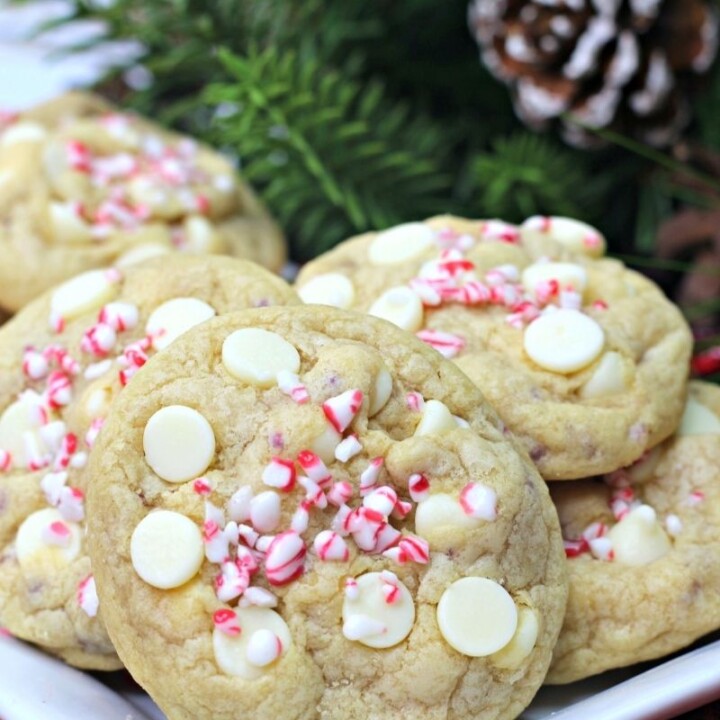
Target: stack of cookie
(289,510)
(586,362)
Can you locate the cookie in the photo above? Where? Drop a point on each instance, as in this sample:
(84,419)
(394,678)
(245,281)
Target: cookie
(643,546)
(585,360)
(83,185)
(301,512)
(62,361)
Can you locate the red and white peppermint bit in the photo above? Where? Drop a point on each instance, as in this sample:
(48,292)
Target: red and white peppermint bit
(599,305)
(427,290)
(35,365)
(402,509)
(289,383)
(418,487)
(214,514)
(79,460)
(364,526)
(120,316)
(247,535)
(94,431)
(5,461)
(239,505)
(263,648)
(98,340)
(56,322)
(523,313)
(263,543)
(601,548)
(226,621)
(382,500)
(446,344)
(51,485)
(592,240)
(352,591)
(386,537)
(66,452)
(313,492)
(234,577)
(479,501)
(314,468)
(454,263)
(259,597)
(546,290)
(202,486)
(78,156)
(285,558)
(574,548)
(410,549)
(58,390)
(58,534)
(361,626)
(340,410)
(415,401)
(673,525)
(71,504)
(499,231)
(329,547)
(59,356)
(280,474)
(231,532)
(340,493)
(390,588)
(217,545)
(348,448)
(98,369)
(594,531)
(369,476)
(695,498)
(87,597)
(36,460)
(301,518)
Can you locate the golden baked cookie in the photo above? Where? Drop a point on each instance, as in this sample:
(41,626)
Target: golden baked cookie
(643,546)
(305,513)
(83,185)
(63,359)
(584,360)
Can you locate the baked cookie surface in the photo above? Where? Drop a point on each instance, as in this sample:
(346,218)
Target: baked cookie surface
(643,550)
(584,360)
(83,185)
(63,359)
(305,513)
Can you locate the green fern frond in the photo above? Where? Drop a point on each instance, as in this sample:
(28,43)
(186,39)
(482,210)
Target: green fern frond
(331,155)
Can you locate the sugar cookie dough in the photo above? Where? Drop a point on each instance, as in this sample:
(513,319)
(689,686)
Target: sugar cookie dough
(584,360)
(84,185)
(321,593)
(63,359)
(643,549)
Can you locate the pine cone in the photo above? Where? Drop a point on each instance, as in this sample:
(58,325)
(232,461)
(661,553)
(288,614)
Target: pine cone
(625,65)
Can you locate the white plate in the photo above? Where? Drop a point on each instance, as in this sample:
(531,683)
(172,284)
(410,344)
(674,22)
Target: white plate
(33,685)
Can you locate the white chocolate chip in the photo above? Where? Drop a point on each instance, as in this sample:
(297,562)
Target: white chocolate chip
(698,419)
(639,539)
(326,443)
(371,620)
(440,515)
(330,289)
(234,654)
(436,418)
(19,424)
(35,553)
(401,243)
(85,292)
(140,253)
(174,317)
(608,378)
(381,392)
(573,234)
(568,275)
(563,341)
(97,402)
(257,356)
(201,236)
(23,132)
(477,616)
(400,306)
(523,642)
(68,226)
(166,549)
(179,443)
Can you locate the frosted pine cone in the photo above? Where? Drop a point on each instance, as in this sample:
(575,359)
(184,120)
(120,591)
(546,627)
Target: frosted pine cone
(618,64)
